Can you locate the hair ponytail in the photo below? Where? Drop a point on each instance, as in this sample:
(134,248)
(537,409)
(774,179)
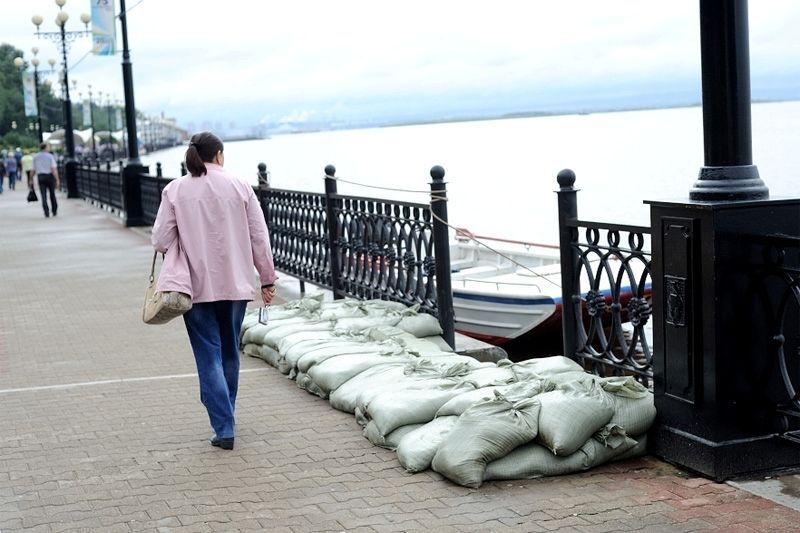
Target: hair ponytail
(203,148)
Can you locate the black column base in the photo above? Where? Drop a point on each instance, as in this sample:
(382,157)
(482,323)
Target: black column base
(726,459)
(71,178)
(727,184)
(132,194)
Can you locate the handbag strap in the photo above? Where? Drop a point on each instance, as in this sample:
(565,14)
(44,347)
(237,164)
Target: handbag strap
(153,268)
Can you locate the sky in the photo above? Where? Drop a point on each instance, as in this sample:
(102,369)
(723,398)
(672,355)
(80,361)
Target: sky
(238,63)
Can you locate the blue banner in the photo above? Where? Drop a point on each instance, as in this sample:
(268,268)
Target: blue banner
(29,94)
(104,28)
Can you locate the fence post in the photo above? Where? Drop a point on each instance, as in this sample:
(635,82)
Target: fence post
(333,233)
(159,171)
(263,175)
(132,194)
(183,168)
(570,287)
(441,249)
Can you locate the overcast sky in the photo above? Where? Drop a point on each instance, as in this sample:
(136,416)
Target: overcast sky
(248,60)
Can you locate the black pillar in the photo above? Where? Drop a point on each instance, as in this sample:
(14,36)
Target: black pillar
(567,211)
(441,248)
(333,232)
(716,378)
(38,103)
(729,173)
(127,80)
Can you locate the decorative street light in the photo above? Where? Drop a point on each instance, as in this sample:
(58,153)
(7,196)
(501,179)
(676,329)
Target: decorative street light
(66,37)
(91,122)
(22,65)
(108,116)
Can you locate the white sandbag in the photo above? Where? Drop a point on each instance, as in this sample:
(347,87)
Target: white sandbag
(569,418)
(513,392)
(251,350)
(439,342)
(357,324)
(330,374)
(345,397)
(634,406)
(263,352)
(424,372)
(375,306)
(533,460)
(415,450)
(389,441)
(569,378)
(421,325)
(638,450)
(423,347)
(398,408)
(306,383)
(544,367)
(273,337)
(488,375)
(485,432)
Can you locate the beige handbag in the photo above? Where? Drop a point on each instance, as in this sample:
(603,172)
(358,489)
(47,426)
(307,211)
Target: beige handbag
(162,306)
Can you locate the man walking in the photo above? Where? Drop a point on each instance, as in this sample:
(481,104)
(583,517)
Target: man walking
(46,169)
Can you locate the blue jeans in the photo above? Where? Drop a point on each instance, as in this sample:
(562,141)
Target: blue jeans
(12,179)
(214,329)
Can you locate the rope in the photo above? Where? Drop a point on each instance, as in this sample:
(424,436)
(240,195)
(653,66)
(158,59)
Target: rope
(435,198)
(128,10)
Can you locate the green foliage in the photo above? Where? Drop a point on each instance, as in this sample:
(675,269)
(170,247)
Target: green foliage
(15,139)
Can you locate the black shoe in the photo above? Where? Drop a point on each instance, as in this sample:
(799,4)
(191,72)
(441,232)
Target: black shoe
(224,443)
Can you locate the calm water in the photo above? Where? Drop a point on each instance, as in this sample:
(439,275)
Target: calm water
(501,173)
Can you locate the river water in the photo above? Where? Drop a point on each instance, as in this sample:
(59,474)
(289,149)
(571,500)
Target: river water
(501,174)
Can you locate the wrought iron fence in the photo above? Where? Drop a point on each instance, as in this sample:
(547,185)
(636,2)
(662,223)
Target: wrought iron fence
(151,188)
(778,284)
(365,247)
(606,291)
(101,184)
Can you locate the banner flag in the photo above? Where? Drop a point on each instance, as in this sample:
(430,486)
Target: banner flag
(87,114)
(104,28)
(29,94)
(118,118)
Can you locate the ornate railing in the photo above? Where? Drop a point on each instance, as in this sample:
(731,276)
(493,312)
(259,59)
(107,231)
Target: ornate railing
(101,184)
(151,188)
(779,286)
(297,224)
(386,250)
(606,283)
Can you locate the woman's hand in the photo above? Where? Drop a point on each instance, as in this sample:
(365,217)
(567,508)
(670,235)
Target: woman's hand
(267,294)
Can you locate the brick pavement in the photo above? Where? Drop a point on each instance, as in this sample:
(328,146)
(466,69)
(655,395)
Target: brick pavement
(102,429)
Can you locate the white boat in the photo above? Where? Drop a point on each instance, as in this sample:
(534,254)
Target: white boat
(510,291)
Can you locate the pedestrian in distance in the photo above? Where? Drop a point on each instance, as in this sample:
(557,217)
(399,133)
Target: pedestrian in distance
(11,171)
(26,166)
(2,171)
(215,219)
(46,170)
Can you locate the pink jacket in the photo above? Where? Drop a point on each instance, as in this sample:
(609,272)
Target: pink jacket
(219,225)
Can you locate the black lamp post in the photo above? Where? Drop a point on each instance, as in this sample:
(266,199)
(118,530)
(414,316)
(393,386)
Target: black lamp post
(108,116)
(91,122)
(65,38)
(20,63)
(127,80)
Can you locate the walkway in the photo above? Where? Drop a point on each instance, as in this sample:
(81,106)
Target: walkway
(101,428)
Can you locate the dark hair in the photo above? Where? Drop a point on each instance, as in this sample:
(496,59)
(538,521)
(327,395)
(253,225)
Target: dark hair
(43,146)
(203,147)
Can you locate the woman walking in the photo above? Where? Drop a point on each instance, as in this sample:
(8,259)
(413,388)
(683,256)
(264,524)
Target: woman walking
(215,219)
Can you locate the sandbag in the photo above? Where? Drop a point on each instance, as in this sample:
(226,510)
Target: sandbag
(485,432)
(306,383)
(634,406)
(263,352)
(358,324)
(421,325)
(533,460)
(513,392)
(323,352)
(543,367)
(391,440)
(638,450)
(398,408)
(570,417)
(330,374)
(415,450)
(274,336)
(345,396)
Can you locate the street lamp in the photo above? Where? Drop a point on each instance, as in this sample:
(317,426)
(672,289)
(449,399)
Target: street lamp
(91,122)
(108,116)
(21,65)
(66,38)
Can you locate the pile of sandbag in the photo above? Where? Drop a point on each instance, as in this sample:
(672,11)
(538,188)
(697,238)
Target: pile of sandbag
(469,421)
